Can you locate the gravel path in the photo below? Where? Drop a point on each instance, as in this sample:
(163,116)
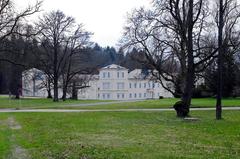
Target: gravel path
(106,110)
(103,103)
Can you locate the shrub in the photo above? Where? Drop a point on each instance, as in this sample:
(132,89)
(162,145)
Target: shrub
(181,109)
(161,97)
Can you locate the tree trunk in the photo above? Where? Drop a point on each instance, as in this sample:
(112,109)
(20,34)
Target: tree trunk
(74,92)
(64,93)
(189,82)
(220,62)
(49,94)
(55,87)
(49,89)
(34,86)
(55,68)
(15,85)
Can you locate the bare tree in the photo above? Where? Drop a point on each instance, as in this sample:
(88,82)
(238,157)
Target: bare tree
(73,56)
(10,19)
(54,27)
(179,40)
(61,39)
(228,14)
(175,40)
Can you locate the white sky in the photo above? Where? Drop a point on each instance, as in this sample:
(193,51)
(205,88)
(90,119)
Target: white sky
(105,18)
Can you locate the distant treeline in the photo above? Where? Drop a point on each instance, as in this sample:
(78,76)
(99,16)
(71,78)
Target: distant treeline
(24,53)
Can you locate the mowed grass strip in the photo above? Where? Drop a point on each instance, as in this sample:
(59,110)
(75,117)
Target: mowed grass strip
(157,104)
(42,103)
(6,102)
(128,135)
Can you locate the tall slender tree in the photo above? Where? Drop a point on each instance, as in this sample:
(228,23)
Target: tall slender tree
(228,14)
(220,61)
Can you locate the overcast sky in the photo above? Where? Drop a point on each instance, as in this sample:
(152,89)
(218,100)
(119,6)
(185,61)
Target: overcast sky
(105,18)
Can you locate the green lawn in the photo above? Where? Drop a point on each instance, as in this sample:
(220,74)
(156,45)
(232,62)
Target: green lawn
(135,135)
(162,103)
(165,103)
(6,102)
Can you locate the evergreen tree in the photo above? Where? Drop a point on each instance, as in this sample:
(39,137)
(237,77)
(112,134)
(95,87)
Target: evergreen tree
(229,76)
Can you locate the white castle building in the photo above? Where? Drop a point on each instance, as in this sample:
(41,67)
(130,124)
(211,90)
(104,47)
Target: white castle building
(112,83)
(116,83)
(32,83)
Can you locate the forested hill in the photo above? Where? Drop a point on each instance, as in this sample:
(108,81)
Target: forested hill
(25,54)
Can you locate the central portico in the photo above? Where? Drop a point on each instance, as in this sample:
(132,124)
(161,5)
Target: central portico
(113,80)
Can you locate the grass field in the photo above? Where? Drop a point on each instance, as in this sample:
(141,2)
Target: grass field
(162,103)
(6,102)
(135,135)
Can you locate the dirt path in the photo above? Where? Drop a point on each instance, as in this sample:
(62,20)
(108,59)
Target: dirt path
(16,152)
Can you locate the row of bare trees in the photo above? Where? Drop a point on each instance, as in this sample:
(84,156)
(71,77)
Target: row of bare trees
(181,38)
(11,19)
(62,41)
(56,41)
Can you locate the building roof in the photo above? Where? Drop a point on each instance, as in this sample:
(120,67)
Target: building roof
(114,66)
(137,74)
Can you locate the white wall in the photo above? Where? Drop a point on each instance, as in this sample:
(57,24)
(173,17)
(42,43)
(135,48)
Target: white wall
(145,89)
(118,89)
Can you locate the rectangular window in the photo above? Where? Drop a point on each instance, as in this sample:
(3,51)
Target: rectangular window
(145,95)
(135,95)
(140,95)
(140,85)
(108,96)
(135,85)
(120,86)
(118,74)
(130,85)
(106,85)
(153,85)
(118,96)
(104,74)
(130,95)
(122,74)
(145,85)
(104,96)
(108,74)
(123,96)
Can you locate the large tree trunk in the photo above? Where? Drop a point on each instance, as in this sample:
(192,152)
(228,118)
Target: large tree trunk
(189,83)
(183,107)
(220,62)
(188,90)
